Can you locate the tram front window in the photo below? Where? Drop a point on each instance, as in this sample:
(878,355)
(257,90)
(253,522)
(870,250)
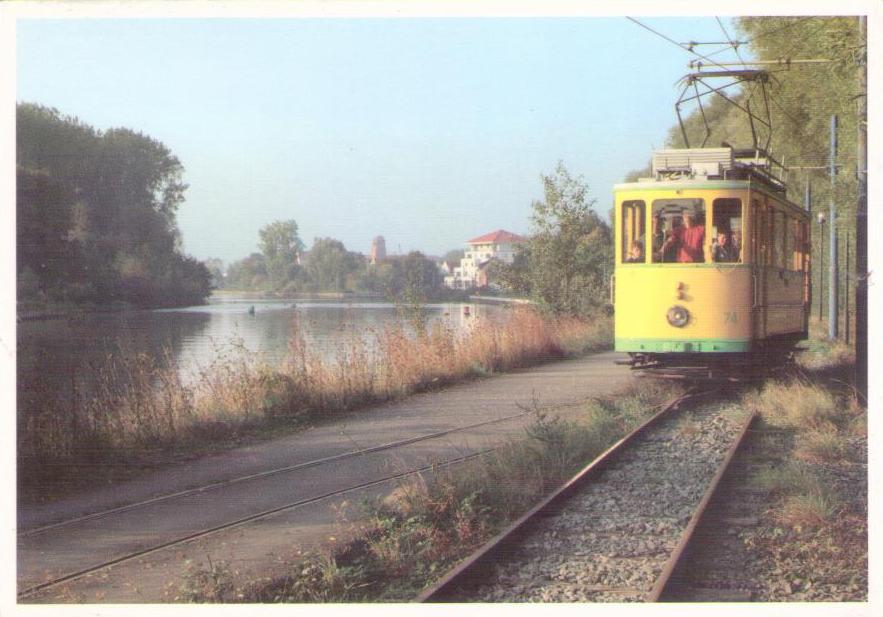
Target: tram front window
(726,230)
(634,240)
(678,231)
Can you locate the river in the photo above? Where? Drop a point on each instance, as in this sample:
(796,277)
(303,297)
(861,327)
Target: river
(55,354)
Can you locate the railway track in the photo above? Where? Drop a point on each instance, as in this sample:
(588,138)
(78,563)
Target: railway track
(619,530)
(112,520)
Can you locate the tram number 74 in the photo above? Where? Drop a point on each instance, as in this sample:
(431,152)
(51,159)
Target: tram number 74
(731,317)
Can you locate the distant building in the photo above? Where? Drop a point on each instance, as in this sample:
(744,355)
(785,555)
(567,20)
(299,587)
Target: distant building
(446,267)
(472,272)
(378,249)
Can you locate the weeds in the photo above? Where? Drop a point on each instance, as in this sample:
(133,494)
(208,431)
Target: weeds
(211,583)
(809,511)
(688,427)
(821,447)
(789,479)
(799,403)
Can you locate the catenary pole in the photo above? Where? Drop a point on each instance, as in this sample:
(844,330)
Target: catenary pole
(833,282)
(821,264)
(846,295)
(861,222)
(807,203)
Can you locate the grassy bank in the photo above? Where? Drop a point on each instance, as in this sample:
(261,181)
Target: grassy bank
(413,537)
(810,456)
(140,410)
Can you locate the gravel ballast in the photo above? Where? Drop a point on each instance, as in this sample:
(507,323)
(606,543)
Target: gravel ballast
(610,542)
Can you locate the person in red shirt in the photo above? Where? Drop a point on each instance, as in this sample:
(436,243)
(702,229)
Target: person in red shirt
(687,240)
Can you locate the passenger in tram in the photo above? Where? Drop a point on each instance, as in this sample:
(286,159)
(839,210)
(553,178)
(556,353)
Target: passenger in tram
(685,241)
(636,252)
(658,232)
(737,242)
(724,250)
(668,241)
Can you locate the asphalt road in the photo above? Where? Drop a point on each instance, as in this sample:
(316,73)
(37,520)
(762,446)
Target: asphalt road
(266,545)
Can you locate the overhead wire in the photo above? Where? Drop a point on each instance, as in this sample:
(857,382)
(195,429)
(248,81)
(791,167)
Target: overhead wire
(686,48)
(769,32)
(731,41)
(732,45)
(801,39)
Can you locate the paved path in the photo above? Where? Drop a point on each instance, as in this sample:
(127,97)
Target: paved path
(271,542)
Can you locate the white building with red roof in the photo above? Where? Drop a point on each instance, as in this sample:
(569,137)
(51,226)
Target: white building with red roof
(472,272)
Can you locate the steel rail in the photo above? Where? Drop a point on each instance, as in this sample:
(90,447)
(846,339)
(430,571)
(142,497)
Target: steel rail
(485,555)
(29,591)
(666,577)
(263,474)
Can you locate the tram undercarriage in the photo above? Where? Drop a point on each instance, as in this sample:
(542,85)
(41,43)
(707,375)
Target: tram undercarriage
(730,367)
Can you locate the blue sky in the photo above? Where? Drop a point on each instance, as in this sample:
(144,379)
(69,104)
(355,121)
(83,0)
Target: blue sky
(428,131)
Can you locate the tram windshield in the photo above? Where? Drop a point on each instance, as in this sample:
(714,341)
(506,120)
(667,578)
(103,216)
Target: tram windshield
(726,230)
(678,230)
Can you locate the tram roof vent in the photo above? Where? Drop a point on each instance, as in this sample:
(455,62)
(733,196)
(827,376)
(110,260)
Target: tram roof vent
(691,163)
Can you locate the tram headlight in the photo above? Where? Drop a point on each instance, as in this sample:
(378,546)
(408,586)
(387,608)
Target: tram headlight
(678,316)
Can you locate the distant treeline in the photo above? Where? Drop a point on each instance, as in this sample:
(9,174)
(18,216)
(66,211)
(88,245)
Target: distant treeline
(96,216)
(283,266)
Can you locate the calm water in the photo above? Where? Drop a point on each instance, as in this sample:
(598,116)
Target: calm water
(54,354)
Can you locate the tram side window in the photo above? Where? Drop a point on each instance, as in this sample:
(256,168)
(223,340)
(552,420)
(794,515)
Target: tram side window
(757,232)
(778,239)
(634,234)
(791,243)
(799,246)
(678,230)
(726,230)
(806,246)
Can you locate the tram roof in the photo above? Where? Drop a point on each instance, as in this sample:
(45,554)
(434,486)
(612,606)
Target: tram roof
(754,184)
(649,184)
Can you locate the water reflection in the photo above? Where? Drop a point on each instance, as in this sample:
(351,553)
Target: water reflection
(55,355)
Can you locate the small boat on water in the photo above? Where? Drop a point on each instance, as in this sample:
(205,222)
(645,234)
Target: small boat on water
(251,310)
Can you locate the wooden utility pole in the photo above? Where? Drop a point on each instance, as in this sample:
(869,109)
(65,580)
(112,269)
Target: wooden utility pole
(861,222)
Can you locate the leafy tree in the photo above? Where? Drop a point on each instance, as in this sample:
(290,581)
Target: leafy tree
(280,246)
(215,268)
(513,276)
(454,256)
(569,252)
(96,215)
(418,277)
(330,266)
(636,174)
(249,273)
(412,279)
(43,211)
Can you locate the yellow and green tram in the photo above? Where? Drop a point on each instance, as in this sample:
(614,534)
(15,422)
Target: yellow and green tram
(712,263)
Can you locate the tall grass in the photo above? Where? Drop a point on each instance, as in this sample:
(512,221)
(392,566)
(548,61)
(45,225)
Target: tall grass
(813,420)
(139,403)
(797,404)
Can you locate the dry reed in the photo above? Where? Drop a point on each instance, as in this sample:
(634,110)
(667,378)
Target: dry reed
(138,403)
